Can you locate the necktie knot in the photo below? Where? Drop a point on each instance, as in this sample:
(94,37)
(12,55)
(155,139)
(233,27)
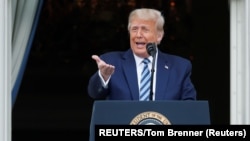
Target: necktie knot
(146,61)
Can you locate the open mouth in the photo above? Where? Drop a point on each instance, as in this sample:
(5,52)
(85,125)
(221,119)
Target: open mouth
(140,44)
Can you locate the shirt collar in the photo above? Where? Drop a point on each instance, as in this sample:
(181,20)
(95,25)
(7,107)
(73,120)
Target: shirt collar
(138,60)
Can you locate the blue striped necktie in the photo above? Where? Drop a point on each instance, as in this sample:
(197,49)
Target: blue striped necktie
(145,82)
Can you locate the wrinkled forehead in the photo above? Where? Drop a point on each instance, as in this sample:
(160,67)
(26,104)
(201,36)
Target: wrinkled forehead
(142,23)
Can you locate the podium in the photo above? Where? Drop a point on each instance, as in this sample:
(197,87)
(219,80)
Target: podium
(149,112)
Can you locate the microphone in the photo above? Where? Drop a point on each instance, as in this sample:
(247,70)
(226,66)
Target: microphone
(151,49)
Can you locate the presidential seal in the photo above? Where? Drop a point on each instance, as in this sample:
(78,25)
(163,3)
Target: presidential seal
(150,118)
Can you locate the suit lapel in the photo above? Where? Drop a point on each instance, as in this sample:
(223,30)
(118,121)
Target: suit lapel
(129,68)
(163,70)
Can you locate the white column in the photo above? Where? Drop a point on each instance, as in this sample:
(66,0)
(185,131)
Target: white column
(247,53)
(239,62)
(5,70)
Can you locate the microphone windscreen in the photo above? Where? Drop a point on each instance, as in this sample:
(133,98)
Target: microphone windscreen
(151,49)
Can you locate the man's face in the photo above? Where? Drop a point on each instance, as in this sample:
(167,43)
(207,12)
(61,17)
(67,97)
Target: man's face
(142,32)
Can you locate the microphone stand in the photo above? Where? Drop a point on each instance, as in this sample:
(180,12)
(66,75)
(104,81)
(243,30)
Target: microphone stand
(152,77)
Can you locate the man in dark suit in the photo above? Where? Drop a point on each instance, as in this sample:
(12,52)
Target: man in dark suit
(118,76)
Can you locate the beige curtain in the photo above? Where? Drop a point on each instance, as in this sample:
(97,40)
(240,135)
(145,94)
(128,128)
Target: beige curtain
(24,23)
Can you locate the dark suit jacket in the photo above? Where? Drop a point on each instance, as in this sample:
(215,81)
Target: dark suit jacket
(172,78)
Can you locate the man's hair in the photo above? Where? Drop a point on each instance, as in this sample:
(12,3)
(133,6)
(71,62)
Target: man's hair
(148,14)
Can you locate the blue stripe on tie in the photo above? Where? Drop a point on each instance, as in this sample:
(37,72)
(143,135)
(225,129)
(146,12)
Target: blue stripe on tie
(145,82)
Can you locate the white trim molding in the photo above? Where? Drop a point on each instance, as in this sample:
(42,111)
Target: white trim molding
(5,71)
(239,62)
